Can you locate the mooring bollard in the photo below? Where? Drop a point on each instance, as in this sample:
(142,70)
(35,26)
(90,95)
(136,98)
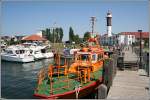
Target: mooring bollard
(102,91)
(120,63)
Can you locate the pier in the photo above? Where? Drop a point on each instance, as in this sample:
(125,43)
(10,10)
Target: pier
(130,84)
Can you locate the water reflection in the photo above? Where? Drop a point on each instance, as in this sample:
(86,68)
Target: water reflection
(19,79)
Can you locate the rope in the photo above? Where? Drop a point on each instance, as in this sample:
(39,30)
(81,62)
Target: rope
(77,89)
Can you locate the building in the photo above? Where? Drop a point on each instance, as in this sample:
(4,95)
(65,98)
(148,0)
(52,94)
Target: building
(106,40)
(33,38)
(128,38)
(109,38)
(109,23)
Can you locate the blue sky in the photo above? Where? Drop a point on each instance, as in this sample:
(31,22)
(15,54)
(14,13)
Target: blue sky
(28,17)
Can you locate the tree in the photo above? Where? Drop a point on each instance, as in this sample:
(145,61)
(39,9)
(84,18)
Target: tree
(61,35)
(74,37)
(58,34)
(86,36)
(44,33)
(71,34)
(55,36)
(77,39)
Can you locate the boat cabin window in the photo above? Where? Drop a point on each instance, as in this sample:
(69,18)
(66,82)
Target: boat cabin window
(22,51)
(100,56)
(9,51)
(43,50)
(94,57)
(17,51)
(85,57)
(31,51)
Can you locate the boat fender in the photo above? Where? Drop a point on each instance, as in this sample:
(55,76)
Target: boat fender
(102,91)
(77,89)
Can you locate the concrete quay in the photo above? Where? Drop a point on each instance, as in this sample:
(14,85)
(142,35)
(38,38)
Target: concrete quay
(130,55)
(129,85)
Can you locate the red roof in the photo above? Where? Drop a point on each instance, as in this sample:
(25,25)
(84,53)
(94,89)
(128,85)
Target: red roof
(137,34)
(34,38)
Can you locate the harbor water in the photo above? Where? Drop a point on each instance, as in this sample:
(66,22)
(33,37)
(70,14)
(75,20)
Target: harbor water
(18,80)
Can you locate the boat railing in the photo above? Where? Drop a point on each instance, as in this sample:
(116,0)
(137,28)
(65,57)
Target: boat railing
(80,76)
(58,74)
(41,76)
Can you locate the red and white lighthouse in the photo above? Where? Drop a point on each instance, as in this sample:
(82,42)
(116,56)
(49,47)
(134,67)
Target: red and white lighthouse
(109,23)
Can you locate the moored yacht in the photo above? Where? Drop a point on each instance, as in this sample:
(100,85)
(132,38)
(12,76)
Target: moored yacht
(17,54)
(39,51)
(36,52)
(46,53)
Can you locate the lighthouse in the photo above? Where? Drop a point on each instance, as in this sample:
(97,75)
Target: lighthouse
(109,24)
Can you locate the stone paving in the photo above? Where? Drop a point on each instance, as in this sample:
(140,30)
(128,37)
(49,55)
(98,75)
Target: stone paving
(130,85)
(130,56)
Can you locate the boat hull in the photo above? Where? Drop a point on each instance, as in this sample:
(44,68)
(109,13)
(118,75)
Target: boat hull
(38,56)
(84,91)
(48,55)
(17,59)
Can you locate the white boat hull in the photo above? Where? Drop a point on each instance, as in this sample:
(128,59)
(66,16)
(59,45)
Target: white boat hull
(38,56)
(48,55)
(17,59)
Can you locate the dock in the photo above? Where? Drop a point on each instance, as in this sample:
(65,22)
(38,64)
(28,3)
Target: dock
(130,55)
(130,84)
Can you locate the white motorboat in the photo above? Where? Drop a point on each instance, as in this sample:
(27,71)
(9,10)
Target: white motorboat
(39,51)
(17,54)
(46,53)
(36,52)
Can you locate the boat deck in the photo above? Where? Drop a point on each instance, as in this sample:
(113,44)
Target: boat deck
(58,83)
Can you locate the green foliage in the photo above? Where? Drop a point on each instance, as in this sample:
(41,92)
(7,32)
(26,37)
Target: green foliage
(71,34)
(146,44)
(73,37)
(86,36)
(56,35)
(77,39)
(61,35)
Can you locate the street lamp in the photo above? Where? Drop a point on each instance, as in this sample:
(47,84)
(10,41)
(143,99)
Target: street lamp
(140,64)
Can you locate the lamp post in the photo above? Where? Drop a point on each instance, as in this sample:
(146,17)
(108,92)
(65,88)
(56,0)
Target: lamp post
(140,64)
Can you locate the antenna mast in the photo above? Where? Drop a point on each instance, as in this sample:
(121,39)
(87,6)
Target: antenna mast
(93,19)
